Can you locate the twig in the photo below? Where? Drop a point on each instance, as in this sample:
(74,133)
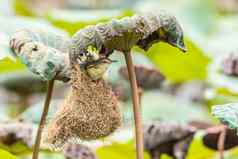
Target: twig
(136,106)
(221,142)
(43,119)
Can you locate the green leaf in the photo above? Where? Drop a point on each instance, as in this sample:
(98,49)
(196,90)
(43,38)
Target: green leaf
(232,154)
(178,66)
(198,151)
(6,155)
(118,151)
(9,65)
(220,96)
(7,61)
(227,114)
(21,8)
(7,28)
(51,57)
(16,148)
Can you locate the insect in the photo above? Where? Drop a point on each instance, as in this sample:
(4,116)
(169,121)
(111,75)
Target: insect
(45,53)
(141,30)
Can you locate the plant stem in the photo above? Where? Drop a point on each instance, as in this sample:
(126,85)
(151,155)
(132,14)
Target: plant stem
(136,106)
(221,142)
(43,119)
(140,92)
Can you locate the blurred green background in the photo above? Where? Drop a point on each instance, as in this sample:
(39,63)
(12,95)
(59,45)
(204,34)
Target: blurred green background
(193,81)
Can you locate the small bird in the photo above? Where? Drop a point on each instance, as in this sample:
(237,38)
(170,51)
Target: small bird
(96,69)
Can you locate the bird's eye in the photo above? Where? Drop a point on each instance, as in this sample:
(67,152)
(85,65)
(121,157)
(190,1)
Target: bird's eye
(86,53)
(81,54)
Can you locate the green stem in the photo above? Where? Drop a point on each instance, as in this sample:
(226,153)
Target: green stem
(136,106)
(36,148)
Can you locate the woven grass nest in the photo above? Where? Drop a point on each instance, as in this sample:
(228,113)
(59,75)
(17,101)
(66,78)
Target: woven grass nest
(89,112)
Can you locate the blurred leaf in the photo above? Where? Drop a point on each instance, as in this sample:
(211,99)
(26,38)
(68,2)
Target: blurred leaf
(227,114)
(165,157)
(224,40)
(219,99)
(4,111)
(14,23)
(138,59)
(72,21)
(5,50)
(22,9)
(225,91)
(18,82)
(219,79)
(232,154)
(220,95)
(156,105)
(118,151)
(8,65)
(200,15)
(178,66)
(16,148)
(225,84)
(43,155)
(37,109)
(7,28)
(6,7)
(6,155)
(198,151)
